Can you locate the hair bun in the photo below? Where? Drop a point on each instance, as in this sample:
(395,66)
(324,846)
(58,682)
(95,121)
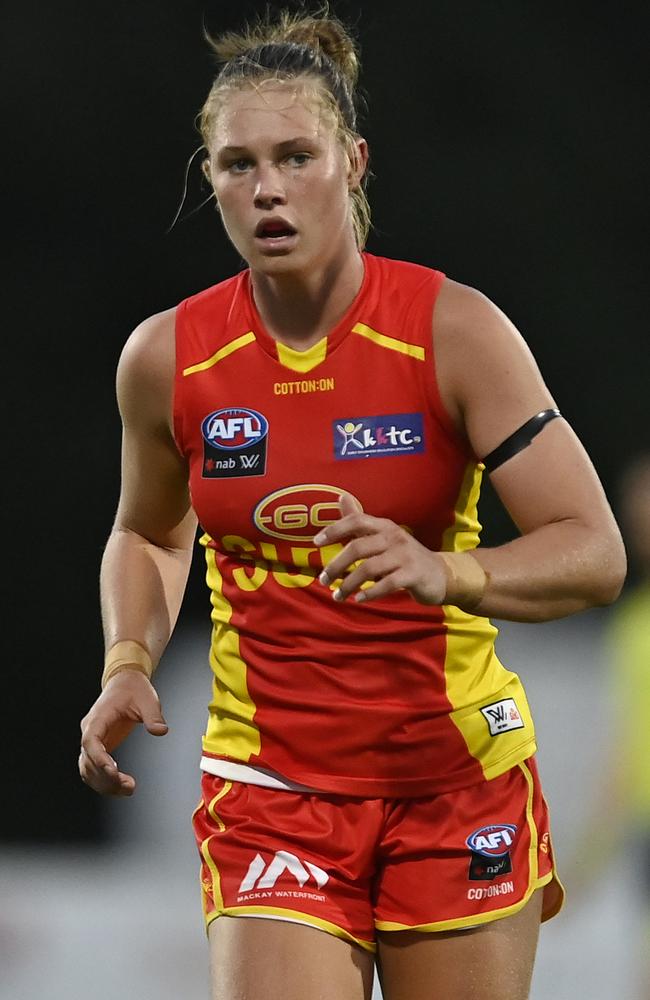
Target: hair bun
(329,36)
(321,32)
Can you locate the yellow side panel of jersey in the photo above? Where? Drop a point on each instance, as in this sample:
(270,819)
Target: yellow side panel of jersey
(475,677)
(230,730)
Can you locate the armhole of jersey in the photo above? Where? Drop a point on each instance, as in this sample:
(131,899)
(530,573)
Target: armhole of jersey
(438,408)
(177,410)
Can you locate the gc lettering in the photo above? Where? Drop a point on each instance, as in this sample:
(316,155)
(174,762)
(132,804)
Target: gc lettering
(291,516)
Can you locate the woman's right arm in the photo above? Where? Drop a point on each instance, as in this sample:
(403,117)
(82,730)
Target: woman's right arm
(147,558)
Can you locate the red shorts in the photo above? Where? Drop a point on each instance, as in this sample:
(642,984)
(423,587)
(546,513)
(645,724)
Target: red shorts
(349,866)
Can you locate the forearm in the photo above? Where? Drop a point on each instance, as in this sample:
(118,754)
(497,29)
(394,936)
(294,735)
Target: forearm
(556,570)
(142,586)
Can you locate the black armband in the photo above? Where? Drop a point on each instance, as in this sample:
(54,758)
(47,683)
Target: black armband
(519,440)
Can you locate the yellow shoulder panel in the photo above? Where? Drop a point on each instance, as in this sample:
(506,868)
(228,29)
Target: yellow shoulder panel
(222,353)
(392,343)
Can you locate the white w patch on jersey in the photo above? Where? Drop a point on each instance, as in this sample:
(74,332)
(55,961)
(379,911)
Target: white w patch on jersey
(502,716)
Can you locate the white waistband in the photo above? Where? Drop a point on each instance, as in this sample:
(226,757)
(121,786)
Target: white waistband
(251,775)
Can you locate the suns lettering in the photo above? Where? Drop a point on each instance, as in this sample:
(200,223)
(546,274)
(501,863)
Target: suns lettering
(279,570)
(262,561)
(247,578)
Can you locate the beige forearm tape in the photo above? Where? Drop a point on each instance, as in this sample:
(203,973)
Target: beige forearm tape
(126,655)
(466,580)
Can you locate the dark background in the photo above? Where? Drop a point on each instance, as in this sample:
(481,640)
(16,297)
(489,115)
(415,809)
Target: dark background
(506,147)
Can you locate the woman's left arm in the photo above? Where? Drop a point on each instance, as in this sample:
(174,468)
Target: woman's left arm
(570,555)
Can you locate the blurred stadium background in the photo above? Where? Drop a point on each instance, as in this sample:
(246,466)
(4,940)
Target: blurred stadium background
(506,141)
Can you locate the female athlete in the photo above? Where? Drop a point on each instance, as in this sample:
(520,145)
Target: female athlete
(369,787)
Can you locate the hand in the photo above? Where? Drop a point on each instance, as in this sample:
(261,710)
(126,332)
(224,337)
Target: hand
(127,699)
(389,557)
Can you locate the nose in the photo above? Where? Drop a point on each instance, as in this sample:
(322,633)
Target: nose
(269,188)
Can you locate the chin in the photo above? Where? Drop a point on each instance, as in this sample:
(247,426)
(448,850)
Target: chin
(278,263)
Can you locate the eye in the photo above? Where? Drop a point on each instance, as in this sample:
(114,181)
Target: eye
(239,166)
(298,159)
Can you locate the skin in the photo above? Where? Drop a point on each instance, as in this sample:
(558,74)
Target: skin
(465,965)
(287,161)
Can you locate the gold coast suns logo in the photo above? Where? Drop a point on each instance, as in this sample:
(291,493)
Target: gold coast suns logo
(297,513)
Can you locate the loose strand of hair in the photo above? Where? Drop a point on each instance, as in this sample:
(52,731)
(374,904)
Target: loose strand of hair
(184,195)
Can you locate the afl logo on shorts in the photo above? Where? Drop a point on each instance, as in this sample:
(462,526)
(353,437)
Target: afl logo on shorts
(234,443)
(492,841)
(490,847)
(297,513)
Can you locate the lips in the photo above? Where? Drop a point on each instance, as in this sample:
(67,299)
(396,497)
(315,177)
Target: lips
(274,228)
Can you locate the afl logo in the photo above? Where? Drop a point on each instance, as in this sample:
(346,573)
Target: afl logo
(493,841)
(297,513)
(234,429)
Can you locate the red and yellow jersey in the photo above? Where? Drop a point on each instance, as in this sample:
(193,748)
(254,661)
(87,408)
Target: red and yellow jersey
(385,698)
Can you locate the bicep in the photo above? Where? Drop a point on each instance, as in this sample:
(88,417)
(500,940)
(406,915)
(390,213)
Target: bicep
(552,480)
(154,497)
(492,385)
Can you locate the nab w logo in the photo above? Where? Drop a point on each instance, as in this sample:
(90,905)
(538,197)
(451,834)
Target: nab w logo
(249,461)
(502,716)
(259,876)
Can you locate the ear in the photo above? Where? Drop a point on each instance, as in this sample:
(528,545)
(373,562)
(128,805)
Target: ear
(357,162)
(205,169)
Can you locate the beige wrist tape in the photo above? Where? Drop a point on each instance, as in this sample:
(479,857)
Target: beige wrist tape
(126,655)
(466,580)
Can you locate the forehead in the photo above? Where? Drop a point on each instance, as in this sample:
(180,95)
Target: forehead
(271,111)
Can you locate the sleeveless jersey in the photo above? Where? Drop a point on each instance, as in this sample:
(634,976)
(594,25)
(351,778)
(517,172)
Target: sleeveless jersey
(386,698)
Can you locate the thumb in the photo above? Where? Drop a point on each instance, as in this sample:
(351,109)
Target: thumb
(152,718)
(349,505)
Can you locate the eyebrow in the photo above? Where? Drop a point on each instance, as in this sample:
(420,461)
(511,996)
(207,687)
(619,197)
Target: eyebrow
(280,147)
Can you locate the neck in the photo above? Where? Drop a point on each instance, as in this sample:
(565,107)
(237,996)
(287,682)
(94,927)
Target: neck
(300,309)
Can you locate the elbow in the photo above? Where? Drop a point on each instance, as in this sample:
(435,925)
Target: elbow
(609,574)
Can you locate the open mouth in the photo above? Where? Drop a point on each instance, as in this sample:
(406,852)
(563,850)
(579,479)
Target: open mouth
(273,230)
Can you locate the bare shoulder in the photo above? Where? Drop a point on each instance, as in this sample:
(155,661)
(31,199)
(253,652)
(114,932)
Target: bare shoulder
(488,378)
(465,320)
(145,373)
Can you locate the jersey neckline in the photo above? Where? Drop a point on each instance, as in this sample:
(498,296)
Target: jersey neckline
(289,357)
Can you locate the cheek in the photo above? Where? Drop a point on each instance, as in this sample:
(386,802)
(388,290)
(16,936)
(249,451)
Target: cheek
(327,195)
(228,204)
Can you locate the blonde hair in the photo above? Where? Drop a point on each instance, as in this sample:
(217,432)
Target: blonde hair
(293,47)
